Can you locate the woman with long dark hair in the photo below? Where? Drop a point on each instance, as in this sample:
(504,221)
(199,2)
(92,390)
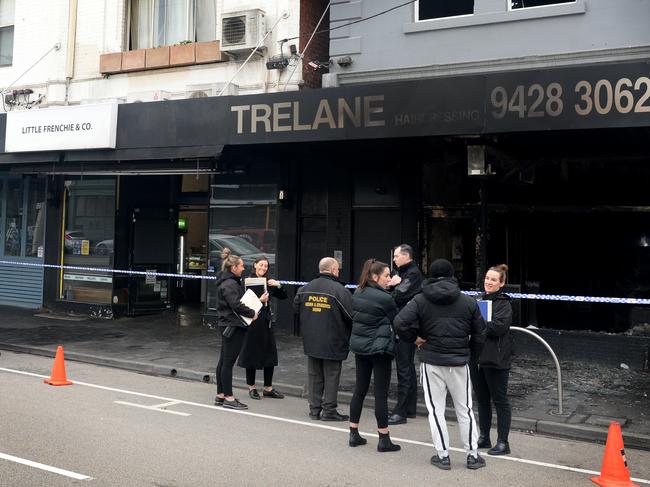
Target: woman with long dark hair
(233,328)
(373,344)
(490,375)
(260,350)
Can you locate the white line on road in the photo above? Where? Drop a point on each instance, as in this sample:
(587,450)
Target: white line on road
(165,404)
(151,408)
(317,425)
(42,466)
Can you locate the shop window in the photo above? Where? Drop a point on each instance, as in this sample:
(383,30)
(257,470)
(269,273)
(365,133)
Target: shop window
(14,217)
(6,32)
(35,218)
(436,9)
(156,23)
(88,239)
(515,4)
(244,219)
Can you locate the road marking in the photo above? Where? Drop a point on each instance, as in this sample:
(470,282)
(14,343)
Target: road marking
(165,404)
(506,458)
(42,466)
(152,408)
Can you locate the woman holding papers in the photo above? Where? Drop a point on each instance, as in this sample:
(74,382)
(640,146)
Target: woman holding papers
(373,344)
(259,350)
(230,311)
(490,375)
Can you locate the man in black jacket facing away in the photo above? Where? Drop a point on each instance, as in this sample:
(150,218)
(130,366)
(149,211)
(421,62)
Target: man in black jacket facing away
(325,309)
(405,285)
(448,329)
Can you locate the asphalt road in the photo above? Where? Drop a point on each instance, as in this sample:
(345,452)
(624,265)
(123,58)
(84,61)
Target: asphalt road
(95,429)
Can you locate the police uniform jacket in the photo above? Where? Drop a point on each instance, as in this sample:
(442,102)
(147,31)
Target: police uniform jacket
(229,292)
(410,286)
(449,321)
(325,310)
(498,350)
(372,321)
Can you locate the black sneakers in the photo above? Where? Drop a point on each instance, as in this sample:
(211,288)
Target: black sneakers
(442,463)
(234,404)
(218,401)
(254,394)
(474,463)
(273,394)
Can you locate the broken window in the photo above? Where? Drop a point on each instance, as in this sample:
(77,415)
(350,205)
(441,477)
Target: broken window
(536,3)
(436,9)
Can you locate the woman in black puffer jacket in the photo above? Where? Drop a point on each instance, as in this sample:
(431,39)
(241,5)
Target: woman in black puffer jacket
(490,375)
(233,328)
(373,343)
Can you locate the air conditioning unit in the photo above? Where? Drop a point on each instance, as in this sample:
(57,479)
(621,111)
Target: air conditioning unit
(146,96)
(243,31)
(211,89)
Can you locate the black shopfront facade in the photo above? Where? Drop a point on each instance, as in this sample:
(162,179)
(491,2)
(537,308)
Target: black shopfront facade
(544,170)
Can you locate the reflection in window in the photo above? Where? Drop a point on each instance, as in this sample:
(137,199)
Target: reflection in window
(244,219)
(156,23)
(536,3)
(35,218)
(88,239)
(436,9)
(14,217)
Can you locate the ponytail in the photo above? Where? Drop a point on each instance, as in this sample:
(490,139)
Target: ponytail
(370,267)
(228,260)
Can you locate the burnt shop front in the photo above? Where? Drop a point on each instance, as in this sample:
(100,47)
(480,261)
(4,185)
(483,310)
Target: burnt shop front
(542,169)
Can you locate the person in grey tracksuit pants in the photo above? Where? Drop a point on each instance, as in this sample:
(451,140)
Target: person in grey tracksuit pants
(448,329)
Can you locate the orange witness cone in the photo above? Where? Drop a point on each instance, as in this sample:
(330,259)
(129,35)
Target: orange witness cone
(614,472)
(58,377)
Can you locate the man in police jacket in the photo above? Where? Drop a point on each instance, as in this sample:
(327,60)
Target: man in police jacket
(404,286)
(325,310)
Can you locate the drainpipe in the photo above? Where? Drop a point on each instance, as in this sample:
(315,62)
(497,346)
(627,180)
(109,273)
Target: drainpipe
(72,39)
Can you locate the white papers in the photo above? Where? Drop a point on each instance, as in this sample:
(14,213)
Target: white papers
(251,300)
(257,284)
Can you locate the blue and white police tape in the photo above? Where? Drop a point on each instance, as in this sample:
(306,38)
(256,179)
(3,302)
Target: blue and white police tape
(542,297)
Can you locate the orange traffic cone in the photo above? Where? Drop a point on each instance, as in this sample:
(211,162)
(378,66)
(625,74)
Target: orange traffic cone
(614,472)
(58,377)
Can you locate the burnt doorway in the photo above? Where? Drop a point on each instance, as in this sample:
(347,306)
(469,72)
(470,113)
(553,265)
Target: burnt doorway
(375,233)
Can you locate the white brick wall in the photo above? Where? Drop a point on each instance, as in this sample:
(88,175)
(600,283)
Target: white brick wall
(101,26)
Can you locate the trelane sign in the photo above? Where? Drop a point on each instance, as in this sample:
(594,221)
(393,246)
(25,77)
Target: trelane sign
(62,128)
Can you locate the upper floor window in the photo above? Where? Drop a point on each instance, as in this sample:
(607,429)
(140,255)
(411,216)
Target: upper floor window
(536,3)
(6,32)
(156,23)
(436,9)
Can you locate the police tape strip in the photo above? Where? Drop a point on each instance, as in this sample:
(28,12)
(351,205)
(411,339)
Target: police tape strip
(542,297)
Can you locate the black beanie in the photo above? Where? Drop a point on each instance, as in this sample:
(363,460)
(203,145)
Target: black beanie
(441,268)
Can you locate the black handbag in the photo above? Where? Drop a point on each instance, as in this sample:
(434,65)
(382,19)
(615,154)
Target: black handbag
(228,331)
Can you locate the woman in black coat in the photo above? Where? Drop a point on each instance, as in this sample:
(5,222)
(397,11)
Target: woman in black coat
(260,350)
(490,375)
(373,344)
(229,313)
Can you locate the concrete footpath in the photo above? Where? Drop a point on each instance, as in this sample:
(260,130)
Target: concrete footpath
(178,345)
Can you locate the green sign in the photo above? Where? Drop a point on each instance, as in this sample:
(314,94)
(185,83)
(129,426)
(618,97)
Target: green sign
(182,224)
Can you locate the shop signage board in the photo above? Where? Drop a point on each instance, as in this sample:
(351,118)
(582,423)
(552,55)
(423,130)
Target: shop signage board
(62,128)
(581,97)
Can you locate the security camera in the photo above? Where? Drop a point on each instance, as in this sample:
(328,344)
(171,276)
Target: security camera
(316,65)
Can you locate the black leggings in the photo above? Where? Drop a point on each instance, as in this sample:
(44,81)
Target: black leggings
(230,348)
(268,376)
(491,386)
(366,364)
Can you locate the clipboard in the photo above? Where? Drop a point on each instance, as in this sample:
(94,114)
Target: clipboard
(255,284)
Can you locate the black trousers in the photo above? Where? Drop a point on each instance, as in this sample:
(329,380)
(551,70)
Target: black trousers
(491,386)
(230,348)
(323,377)
(380,364)
(268,376)
(407,382)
